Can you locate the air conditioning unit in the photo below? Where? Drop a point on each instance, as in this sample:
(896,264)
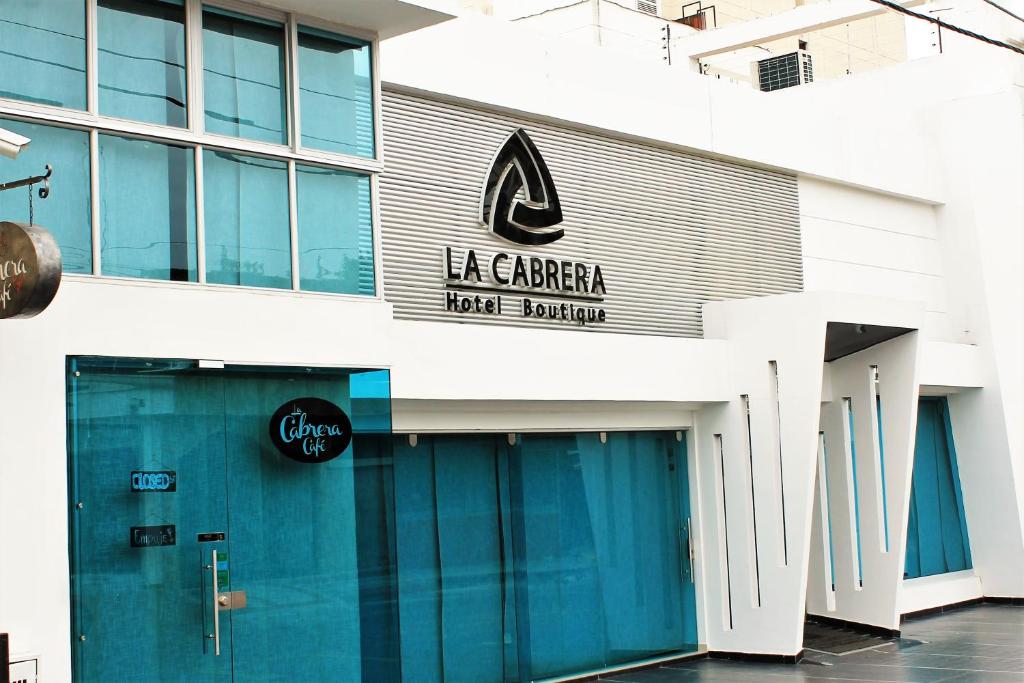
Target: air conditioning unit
(783,71)
(647,6)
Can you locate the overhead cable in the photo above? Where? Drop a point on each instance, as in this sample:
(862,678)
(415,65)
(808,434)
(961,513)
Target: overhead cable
(950,27)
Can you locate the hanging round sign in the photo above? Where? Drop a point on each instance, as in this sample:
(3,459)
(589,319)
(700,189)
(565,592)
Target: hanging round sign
(30,269)
(310,430)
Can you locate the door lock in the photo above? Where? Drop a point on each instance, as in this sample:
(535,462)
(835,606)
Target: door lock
(232,600)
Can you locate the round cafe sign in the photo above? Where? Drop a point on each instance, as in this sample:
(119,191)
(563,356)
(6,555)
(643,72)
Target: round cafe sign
(29,269)
(310,430)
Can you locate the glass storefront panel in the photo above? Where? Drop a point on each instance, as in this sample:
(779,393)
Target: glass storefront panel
(559,554)
(66,211)
(455,558)
(142,60)
(42,57)
(307,543)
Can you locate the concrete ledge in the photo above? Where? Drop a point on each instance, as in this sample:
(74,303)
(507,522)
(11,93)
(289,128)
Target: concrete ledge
(929,592)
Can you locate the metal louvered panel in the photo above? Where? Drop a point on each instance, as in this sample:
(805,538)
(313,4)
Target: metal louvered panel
(670,230)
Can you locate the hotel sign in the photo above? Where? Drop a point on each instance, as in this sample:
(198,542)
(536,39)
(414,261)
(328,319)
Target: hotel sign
(30,269)
(520,204)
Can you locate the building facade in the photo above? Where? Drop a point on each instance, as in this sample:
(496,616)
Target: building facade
(392,346)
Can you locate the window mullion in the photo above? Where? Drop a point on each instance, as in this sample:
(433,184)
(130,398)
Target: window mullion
(375,231)
(378,102)
(293,223)
(200,216)
(292,56)
(92,77)
(194,62)
(94,198)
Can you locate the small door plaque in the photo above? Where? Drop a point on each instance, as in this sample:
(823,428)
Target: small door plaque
(210,537)
(153,536)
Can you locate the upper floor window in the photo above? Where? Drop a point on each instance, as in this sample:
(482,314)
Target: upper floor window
(242,154)
(145,70)
(142,60)
(244,76)
(43,53)
(335,93)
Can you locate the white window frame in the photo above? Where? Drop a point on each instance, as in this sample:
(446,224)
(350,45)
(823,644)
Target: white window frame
(196,137)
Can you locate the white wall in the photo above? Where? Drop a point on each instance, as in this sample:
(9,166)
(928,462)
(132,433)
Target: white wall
(132,319)
(780,458)
(867,592)
(859,241)
(823,129)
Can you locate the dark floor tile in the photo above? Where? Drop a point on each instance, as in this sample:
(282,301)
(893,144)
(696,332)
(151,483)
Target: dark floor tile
(984,677)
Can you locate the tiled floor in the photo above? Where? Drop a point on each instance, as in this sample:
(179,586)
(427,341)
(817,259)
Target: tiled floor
(979,644)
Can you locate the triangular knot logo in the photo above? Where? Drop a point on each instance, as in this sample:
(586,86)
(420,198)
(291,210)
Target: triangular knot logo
(519,167)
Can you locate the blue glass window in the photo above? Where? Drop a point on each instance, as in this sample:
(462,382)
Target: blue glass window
(246,221)
(147,209)
(244,76)
(66,212)
(142,60)
(937,541)
(42,53)
(335,93)
(335,231)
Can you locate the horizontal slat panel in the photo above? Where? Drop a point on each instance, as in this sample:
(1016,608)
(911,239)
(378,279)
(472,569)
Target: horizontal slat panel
(670,230)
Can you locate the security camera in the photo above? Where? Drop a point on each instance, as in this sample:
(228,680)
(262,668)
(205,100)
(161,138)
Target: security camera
(12,144)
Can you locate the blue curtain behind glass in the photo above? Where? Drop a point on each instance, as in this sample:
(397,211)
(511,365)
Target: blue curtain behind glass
(335,231)
(246,220)
(42,53)
(142,60)
(603,574)
(451,590)
(335,93)
(937,541)
(147,209)
(558,554)
(66,212)
(244,79)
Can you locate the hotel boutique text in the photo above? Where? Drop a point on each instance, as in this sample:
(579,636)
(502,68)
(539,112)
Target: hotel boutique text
(546,288)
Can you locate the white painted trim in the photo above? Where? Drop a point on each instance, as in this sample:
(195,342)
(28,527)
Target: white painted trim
(293,223)
(92,71)
(94,200)
(200,195)
(294,94)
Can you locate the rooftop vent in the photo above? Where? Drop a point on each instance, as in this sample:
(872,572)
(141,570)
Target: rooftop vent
(648,6)
(784,71)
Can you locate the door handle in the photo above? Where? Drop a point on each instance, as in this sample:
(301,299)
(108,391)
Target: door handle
(216,606)
(689,547)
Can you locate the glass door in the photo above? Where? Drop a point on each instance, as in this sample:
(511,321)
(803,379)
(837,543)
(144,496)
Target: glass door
(200,552)
(554,554)
(148,504)
(309,541)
